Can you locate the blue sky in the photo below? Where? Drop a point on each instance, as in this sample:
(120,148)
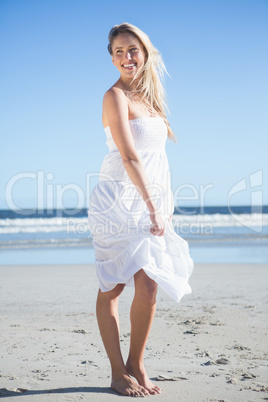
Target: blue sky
(56,68)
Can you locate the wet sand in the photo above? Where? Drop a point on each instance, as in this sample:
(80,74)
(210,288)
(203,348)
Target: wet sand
(212,346)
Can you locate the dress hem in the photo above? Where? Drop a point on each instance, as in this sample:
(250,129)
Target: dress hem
(144,255)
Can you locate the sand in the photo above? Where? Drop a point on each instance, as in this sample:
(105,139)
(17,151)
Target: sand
(212,346)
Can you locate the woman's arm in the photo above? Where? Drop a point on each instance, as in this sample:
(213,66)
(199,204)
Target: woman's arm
(115,109)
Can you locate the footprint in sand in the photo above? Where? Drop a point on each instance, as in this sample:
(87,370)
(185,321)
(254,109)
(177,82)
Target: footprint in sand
(232,380)
(220,361)
(169,378)
(239,347)
(89,362)
(247,376)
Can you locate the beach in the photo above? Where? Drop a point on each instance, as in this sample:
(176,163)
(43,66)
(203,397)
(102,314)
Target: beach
(212,346)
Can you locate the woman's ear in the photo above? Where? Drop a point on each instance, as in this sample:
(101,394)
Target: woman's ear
(145,54)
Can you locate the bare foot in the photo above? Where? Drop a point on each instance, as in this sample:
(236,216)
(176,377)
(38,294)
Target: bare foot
(125,385)
(142,377)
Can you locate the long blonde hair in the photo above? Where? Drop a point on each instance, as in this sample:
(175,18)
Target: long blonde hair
(150,85)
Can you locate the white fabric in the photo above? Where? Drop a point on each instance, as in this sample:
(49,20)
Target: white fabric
(119,220)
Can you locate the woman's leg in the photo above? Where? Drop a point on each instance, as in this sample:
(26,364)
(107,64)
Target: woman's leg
(141,317)
(108,321)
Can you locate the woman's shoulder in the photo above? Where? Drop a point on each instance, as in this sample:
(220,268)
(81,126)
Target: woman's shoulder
(114,95)
(114,92)
(114,100)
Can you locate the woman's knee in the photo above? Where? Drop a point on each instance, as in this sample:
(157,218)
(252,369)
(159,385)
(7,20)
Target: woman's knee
(112,294)
(146,288)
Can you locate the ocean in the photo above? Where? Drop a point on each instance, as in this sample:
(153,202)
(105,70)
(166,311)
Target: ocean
(215,234)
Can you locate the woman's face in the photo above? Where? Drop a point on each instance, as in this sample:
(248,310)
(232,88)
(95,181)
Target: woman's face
(128,55)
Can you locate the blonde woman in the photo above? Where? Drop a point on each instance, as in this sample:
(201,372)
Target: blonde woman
(130,208)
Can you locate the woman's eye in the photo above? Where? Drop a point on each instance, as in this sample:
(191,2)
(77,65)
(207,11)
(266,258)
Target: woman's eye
(132,49)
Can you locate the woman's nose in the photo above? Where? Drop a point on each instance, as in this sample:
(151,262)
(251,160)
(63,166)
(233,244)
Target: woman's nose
(128,55)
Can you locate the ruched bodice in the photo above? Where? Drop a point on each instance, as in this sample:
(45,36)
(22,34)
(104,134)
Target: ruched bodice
(119,219)
(149,134)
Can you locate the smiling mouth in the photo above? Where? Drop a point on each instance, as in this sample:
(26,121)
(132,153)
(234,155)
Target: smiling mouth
(129,66)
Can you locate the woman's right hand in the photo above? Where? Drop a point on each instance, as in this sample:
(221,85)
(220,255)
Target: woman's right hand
(158,224)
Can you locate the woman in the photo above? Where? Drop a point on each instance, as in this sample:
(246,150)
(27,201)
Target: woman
(131,207)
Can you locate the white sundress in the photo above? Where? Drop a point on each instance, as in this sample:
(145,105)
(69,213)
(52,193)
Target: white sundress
(119,219)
